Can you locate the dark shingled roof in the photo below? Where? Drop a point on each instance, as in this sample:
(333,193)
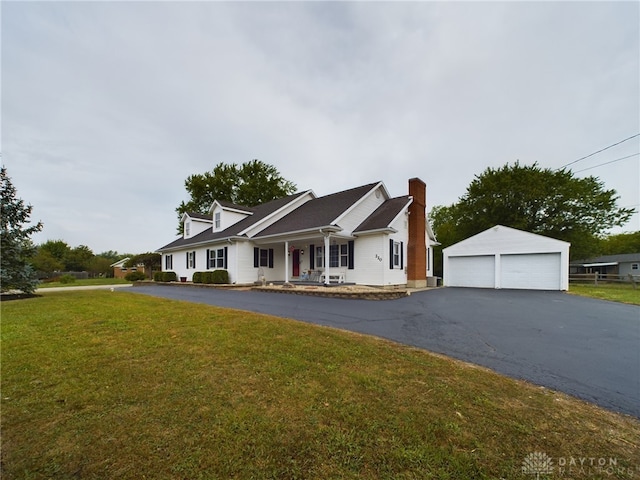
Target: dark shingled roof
(384,214)
(235,206)
(259,212)
(199,216)
(319,212)
(623,257)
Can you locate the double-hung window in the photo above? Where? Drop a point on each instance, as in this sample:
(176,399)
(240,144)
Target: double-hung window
(168,262)
(338,256)
(396,254)
(191,259)
(319,257)
(217,220)
(217,258)
(263,257)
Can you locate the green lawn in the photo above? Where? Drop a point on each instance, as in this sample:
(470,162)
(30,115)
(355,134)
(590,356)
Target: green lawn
(87,282)
(615,292)
(116,385)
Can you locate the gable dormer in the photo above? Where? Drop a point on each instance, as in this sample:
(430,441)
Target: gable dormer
(194,223)
(226,214)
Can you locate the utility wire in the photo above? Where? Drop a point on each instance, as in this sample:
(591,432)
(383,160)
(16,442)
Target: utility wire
(607,163)
(601,150)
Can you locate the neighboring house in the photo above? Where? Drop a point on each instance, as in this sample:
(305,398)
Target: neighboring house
(623,265)
(504,257)
(359,236)
(120,271)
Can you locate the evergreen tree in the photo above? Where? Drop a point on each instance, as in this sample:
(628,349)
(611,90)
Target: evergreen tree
(16,246)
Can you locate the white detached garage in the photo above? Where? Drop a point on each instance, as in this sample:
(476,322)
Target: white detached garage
(504,257)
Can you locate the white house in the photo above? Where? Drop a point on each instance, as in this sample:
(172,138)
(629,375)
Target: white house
(361,236)
(504,257)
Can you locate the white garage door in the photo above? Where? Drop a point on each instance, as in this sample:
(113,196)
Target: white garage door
(540,271)
(477,271)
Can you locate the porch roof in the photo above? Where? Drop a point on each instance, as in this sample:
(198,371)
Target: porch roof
(384,215)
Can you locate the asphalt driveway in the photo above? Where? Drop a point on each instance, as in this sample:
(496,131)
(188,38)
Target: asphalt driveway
(584,347)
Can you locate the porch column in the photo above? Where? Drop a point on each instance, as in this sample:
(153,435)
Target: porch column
(286,262)
(326,259)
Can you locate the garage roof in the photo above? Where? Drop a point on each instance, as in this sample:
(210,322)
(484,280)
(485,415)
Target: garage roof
(506,240)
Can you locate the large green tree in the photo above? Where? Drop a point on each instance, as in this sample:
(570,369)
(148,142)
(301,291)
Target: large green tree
(549,202)
(249,184)
(16,246)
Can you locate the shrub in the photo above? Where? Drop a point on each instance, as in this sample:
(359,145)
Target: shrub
(198,277)
(134,276)
(220,276)
(67,279)
(165,277)
(211,276)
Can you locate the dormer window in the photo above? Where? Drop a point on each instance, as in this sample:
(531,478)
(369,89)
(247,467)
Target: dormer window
(187,228)
(217,220)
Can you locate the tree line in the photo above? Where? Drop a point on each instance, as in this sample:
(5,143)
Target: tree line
(55,256)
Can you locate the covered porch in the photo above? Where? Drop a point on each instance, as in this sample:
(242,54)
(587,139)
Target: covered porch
(321,257)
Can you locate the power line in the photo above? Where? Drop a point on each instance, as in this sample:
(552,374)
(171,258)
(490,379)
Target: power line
(607,163)
(601,150)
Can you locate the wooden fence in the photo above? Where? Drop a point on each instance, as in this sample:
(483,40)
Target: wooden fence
(598,278)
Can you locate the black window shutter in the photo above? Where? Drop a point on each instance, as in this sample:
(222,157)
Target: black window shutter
(312,257)
(271,258)
(256,257)
(187,259)
(391,254)
(350,244)
(208,259)
(226,250)
(194,259)
(401,254)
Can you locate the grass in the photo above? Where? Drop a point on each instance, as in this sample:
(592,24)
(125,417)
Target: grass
(87,282)
(100,385)
(615,292)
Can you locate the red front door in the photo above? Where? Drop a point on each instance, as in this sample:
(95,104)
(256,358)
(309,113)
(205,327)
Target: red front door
(296,262)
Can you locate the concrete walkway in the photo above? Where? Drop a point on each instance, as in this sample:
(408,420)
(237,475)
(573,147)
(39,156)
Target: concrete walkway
(83,287)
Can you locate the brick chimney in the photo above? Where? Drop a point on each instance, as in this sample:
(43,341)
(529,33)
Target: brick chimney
(417,245)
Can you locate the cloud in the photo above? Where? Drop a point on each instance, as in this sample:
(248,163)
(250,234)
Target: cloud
(108,107)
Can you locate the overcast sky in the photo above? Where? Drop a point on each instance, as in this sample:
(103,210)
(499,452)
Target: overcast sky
(108,107)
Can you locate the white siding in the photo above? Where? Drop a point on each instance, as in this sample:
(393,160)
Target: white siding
(227,218)
(363,210)
(369,260)
(372,260)
(243,263)
(196,226)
